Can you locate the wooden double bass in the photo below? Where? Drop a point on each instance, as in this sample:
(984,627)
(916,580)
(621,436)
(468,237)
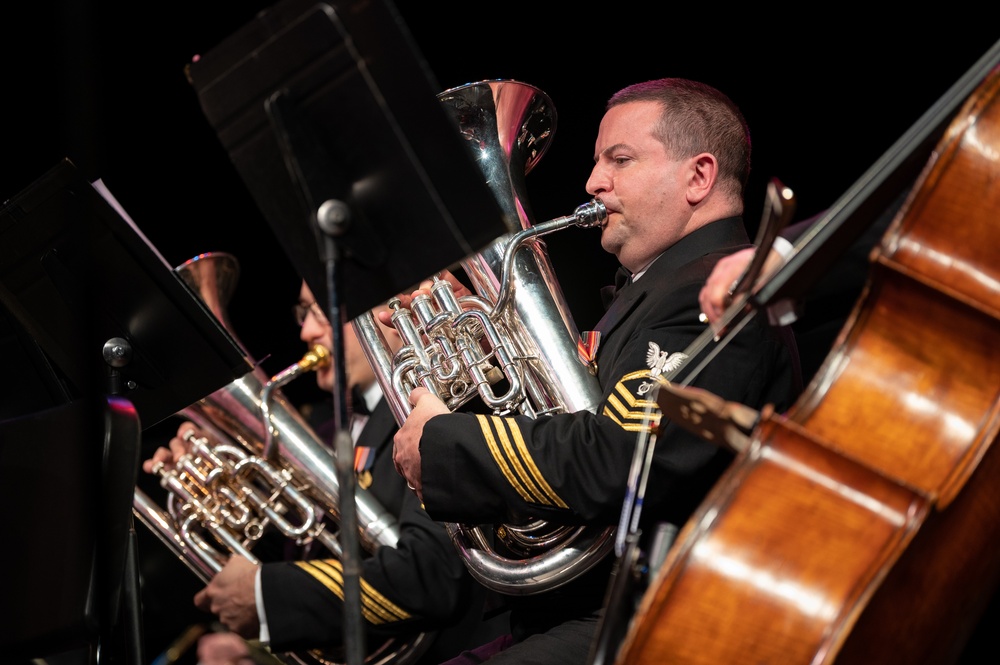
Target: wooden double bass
(863,526)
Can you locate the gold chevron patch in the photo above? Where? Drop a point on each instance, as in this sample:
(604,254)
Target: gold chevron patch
(375,608)
(506,444)
(631,413)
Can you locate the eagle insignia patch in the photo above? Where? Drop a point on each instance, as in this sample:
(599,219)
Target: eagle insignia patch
(660,362)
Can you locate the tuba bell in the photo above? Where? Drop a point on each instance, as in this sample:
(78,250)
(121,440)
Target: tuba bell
(269,472)
(516,332)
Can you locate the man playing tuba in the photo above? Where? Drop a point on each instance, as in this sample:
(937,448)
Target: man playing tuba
(418,586)
(672,158)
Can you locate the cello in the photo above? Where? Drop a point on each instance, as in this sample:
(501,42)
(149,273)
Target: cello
(861,526)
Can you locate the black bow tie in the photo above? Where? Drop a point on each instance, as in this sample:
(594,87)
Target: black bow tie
(622,278)
(359,406)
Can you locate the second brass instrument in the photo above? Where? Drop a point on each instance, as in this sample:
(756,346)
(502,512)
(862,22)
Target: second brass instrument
(269,471)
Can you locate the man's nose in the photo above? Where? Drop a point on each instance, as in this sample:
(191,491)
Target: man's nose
(311,327)
(597,183)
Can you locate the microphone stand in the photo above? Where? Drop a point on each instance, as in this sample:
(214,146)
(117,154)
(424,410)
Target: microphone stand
(316,178)
(117,353)
(333,218)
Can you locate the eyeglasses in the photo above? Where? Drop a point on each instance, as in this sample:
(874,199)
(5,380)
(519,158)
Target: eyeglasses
(303,309)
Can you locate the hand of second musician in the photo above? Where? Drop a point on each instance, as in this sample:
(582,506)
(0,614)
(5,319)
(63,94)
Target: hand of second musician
(230,596)
(716,295)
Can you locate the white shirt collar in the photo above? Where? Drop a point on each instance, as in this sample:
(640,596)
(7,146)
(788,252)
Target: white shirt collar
(372,395)
(639,273)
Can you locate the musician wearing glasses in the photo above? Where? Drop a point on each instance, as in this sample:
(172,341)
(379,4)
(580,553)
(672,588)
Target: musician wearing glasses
(419,586)
(672,157)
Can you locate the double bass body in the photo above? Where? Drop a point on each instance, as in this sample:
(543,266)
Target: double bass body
(862,526)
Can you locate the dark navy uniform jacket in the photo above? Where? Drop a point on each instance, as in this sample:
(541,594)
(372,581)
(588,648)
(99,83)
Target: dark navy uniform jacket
(419,586)
(573,468)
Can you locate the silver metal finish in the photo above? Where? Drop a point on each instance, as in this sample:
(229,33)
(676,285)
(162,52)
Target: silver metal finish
(269,470)
(513,344)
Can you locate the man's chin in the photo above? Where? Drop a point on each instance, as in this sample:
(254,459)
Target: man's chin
(325,380)
(608,244)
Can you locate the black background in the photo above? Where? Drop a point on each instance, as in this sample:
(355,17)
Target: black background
(103,84)
(825,94)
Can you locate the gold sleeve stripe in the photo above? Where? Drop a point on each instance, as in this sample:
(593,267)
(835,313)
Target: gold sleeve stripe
(375,608)
(627,410)
(624,393)
(610,414)
(506,429)
(635,408)
(616,405)
(501,463)
(638,427)
(370,597)
(392,611)
(515,432)
(639,374)
(501,427)
(632,427)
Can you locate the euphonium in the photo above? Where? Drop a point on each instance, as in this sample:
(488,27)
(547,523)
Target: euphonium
(270,471)
(518,327)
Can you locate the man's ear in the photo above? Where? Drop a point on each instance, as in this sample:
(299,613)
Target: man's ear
(704,171)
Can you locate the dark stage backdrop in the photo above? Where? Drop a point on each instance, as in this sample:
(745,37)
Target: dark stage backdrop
(103,84)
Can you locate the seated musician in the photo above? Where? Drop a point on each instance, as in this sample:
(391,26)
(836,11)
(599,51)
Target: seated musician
(672,157)
(419,586)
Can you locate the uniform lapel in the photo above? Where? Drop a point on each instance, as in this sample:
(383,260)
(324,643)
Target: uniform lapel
(626,299)
(379,428)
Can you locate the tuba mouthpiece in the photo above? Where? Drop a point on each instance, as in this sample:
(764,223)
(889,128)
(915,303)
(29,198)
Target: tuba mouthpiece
(316,358)
(591,214)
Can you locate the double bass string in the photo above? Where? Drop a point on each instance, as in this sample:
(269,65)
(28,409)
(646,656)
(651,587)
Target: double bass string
(832,233)
(778,210)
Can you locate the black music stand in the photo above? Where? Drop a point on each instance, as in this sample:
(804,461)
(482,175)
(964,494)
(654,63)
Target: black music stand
(330,115)
(317,103)
(103,305)
(117,339)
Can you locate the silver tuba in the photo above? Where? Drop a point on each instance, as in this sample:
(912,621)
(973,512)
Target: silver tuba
(222,498)
(517,332)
